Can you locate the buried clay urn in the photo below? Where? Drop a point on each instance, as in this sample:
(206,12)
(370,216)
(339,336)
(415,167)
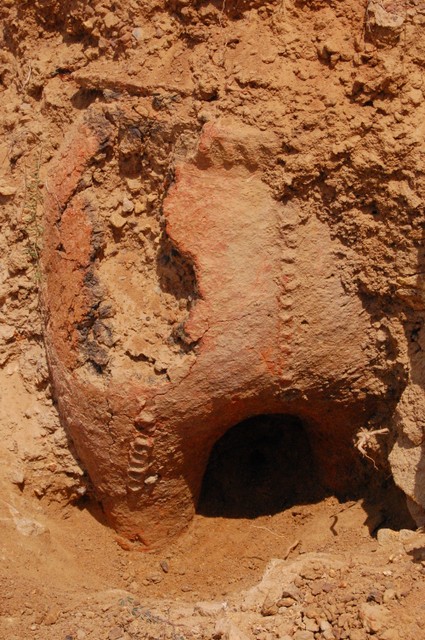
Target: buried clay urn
(262,323)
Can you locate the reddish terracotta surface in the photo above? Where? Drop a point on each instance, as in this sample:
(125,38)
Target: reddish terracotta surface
(272,330)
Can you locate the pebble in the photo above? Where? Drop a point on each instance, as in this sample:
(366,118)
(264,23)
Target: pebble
(310,625)
(115,633)
(137,34)
(110,20)
(17,476)
(312,613)
(140,207)
(416,97)
(324,625)
(7,190)
(389,594)
(7,332)
(127,206)
(29,527)
(386,536)
(117,221)
(270,605)
(133,185)
(286,602)
(316,589)
(373,616)
(51,617)
(210,609)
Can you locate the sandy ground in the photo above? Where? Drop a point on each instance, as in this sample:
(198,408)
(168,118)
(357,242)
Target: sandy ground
(64,574)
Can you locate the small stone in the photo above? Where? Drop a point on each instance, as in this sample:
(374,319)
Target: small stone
(80,635)
(312,613)
(7,333)
(324,625)
(416,97)
(127,206)
(269,59)
(373,617)
(6,190)
(29,527)
(210,609)
(311,625)
(17,476)
(389,594)
(51,617)
(115,633)
(146,417)
(140,207)
(164,566)
(309,573)
(407,535)
(133,184)
(137,34)
(316,589)
(270,606)
(386,536)
(117,221)
(151,479)
(110,20)
(204,116)
(286,602)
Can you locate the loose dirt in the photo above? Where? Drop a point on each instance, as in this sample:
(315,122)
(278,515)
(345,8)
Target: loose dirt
(64,574)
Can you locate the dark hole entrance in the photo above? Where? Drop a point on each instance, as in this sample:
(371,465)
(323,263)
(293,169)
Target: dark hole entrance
(261,466)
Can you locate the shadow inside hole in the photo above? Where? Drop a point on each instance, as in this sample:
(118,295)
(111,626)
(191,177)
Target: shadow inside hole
(176,275)
(261,466)
(83,98)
